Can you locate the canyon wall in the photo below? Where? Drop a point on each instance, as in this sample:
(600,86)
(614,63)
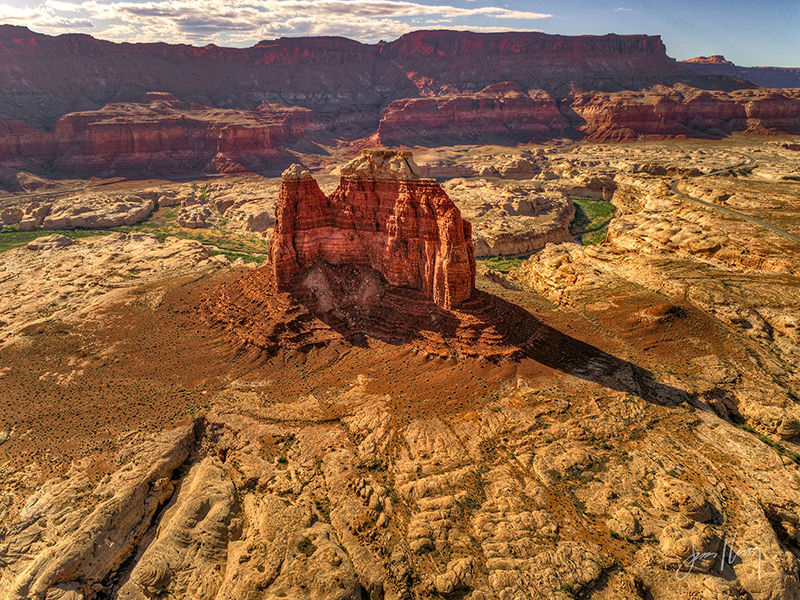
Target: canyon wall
(73,105)
(683,111)
(381,215)
(500,113)
(45,77)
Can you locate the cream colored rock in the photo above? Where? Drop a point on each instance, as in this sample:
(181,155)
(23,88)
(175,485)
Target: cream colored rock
(680,496)
(192,537)
(73,281)
(511,218)
(381,164)
(197,216)
(49,242)
(689,546)
(73,534)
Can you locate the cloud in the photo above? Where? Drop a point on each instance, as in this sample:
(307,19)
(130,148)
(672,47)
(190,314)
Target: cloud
(40,16)
(621,9)
(63,6)
(247,21)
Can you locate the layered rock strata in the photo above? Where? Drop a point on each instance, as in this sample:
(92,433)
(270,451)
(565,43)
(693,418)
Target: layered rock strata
(74,105)
(503,112)
(381,215)
(683,111)
(155,133)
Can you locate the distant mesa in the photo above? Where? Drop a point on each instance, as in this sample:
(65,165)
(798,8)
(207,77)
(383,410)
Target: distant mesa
(142,110)
(715,59)
(771,77)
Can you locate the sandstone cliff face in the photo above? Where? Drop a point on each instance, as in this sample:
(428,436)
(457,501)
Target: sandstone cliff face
(381,215)
(685,111)
(444,62)
(74,105)
(498,113)
(75,72)
(20,142)
(503,113)
(72,72)
(156,133)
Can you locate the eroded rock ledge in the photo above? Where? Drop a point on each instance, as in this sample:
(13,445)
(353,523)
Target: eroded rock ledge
(381,215)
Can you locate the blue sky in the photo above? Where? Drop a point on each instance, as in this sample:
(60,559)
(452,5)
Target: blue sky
(747,33)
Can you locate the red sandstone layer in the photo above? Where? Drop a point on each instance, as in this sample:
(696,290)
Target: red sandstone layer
(686,112)
(157,134)
(405,228)
(258,316)
(77,106)
(498,113)
(771,77)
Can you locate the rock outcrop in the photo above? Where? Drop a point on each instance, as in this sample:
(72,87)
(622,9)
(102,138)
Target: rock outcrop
(511,219)
(157,134)
(684,111)
(87,274)
(72,535)
(381,215)
(499,113)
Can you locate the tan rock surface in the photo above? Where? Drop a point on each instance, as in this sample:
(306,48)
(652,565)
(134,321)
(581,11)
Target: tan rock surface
(71,535)
(48,279)
(650,415)
(511,219)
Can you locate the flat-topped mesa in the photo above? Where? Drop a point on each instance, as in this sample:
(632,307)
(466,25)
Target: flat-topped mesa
(382,215)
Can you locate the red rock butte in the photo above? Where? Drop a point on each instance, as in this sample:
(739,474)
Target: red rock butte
(383,216)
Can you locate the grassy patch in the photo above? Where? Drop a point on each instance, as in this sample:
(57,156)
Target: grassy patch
(594,237)
(227,242)
(592,217)
(324,508)
(161,224)
(502,263)
(306,546)
(10,238)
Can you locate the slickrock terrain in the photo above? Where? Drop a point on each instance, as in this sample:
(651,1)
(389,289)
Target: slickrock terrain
(512,218)
(381,215)
(87,274)
(609,421)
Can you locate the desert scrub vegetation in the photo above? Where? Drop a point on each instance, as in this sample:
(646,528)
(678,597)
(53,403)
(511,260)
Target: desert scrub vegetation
(504,264)
(779,448)
(592,217)
(162,224)
(11,238)
(234,245)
